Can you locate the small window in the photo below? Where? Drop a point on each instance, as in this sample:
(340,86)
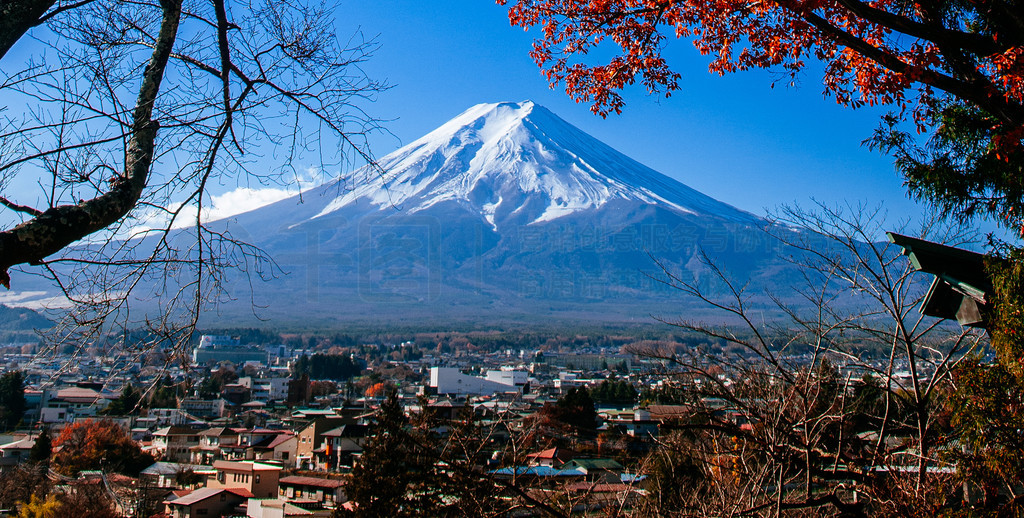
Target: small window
(257,479)
(202,512)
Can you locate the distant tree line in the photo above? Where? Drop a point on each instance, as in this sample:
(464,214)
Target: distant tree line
(614,392)
(575,410)
(338,367)
(163,394)
(212,386)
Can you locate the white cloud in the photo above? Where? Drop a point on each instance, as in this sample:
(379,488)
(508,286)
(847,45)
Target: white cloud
(33,300)
(220,206)
(243,199)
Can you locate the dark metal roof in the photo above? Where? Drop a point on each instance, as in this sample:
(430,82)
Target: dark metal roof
(961,289)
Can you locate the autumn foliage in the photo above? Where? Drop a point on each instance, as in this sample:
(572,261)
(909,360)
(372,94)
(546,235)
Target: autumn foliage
(889,51)
(954,68)
(376,390)
(97,444)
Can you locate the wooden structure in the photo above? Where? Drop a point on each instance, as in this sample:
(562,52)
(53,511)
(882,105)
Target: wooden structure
(961,290)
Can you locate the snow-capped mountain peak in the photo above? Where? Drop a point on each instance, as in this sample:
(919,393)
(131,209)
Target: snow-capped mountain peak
(519,160)
(504,212)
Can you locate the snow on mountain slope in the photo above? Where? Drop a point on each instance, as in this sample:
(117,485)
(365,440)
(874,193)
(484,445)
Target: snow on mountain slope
(519,161)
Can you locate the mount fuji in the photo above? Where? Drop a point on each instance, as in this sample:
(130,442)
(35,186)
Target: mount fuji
(519,164)
(504,213)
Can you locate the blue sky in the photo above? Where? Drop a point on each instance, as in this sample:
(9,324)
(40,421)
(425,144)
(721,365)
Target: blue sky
(734,138)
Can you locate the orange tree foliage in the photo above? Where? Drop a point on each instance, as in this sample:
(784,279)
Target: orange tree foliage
(97,444)
(953,65)
(376,390)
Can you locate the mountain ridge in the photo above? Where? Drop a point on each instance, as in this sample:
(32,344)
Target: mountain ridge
(506,209)
(505,213)
(513,161)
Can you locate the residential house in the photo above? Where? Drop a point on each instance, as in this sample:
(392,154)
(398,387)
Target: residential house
(310,414)
(668,417)
(600,495)
(33,402)
(260,479)
(266,389)
(17,451)
(212,444)
(159,417)
(208,502)
(340,445)
(597,470)
(235,393)
(277,508)
(313,492)
(175,475)
(175,443)
(538,476)
(252,444)
(66,404)
(643,425)
(205,408)
(553,457)
(311,436)
(447,410)
(280,448)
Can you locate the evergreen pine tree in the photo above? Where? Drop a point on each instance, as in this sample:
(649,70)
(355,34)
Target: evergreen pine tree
(391,477)
(125,404)
(12,399)
(576,408)
(165,395)
(41,450)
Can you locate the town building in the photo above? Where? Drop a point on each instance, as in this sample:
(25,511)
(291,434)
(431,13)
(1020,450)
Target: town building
(258,478)
(313,492)
(208,501)
(175,443)
(311,436)
(216,348)
(450,380)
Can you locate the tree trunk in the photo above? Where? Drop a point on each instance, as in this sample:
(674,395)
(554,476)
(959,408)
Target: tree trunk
(17,17)
(58,227)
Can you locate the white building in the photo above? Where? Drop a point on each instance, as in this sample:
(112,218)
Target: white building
(513,377)
(449,380)
(215,349)
(274,508)
(205,408)
(266,389)
(161,417)
(71,402)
